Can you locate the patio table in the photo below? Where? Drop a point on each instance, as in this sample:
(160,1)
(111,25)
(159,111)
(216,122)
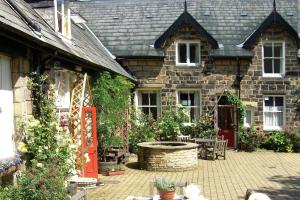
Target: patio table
(203,144)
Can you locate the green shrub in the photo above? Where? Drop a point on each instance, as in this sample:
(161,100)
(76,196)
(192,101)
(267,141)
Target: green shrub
(41,137)
(171,122)
(277,141)
(143,129)
(252,137)
(39,183)
(111,96)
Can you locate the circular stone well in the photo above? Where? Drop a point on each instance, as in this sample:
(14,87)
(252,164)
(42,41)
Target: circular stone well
(167,156)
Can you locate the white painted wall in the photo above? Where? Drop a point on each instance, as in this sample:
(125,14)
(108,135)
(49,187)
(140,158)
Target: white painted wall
(6,109)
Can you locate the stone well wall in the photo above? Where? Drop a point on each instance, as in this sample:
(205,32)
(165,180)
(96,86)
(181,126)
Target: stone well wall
(166,158)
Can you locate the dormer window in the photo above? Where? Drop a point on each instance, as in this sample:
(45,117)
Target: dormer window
(62,17)
(273,59)
(187,53)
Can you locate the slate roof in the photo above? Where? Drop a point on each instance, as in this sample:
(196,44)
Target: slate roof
(83,46)
(131,27)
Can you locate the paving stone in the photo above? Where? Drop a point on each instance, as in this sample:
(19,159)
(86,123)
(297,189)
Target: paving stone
(276,174)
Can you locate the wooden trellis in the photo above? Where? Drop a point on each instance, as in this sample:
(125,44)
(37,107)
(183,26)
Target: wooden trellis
(81,97)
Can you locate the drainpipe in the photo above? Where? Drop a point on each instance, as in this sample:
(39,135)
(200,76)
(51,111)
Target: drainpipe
(35,26)
(238,78)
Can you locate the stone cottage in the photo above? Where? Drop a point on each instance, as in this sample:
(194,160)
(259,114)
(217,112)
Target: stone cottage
(193,53)
(29,44)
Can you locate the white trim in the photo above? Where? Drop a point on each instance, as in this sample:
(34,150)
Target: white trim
(274,128)
(187,42)
(195,91)
(157,91)
(274,75)
(245,117)
(65,31)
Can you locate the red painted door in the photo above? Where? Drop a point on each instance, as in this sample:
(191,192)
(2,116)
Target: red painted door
(89,142)
(226,123)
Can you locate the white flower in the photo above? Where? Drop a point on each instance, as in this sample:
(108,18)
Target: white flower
(22,147)
(39,165)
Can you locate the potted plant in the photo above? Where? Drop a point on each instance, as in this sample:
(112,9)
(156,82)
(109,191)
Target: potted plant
(115,170)
(165,187)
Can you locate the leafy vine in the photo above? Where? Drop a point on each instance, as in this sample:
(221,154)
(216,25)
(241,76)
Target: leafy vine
(241,108)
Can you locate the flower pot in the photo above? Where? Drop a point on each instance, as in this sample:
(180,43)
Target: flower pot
(103,165)
(114,173)
(167,194)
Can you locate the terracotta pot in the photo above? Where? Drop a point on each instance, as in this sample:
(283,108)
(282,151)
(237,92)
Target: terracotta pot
(167,194)
(114,173)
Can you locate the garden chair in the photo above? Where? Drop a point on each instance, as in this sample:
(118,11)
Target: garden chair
(218,149)
(220,137)
(183,138)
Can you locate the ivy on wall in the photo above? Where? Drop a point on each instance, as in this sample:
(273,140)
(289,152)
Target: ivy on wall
(241,108)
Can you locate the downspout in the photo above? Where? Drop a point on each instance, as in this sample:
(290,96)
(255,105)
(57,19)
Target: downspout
(238,78)
(35,26)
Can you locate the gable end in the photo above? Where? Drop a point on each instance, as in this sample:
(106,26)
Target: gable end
(185,18)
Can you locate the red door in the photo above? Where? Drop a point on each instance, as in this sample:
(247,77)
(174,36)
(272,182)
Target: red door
(89,142)
(226,123)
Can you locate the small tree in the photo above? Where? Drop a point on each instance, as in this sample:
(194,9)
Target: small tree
(111,96)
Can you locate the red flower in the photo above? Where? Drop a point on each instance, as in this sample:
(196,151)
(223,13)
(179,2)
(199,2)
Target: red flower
(254,135)
(257,128)
(151,122)
(266,134)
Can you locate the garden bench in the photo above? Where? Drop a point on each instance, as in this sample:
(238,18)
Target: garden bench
(115,155)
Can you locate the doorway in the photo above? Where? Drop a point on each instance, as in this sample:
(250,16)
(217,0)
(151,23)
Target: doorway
(226,121)
(6,109)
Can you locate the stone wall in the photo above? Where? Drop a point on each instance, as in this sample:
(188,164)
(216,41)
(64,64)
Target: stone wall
(22,99)
(165,75)
(160,159)
(254,86)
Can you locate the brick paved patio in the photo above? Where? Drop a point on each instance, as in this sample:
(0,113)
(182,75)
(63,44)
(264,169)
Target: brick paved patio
(277,174)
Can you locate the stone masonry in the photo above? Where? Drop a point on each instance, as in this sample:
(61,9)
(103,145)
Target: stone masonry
(213,76)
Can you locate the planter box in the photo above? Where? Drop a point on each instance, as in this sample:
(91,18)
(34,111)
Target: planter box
(114,173)
(103,165)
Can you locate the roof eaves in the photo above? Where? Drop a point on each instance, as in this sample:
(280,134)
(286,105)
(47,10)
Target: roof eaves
(185,18)
(273,18)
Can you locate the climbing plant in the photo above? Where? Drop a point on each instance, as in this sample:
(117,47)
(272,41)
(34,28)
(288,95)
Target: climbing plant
(241,108)
(111,95)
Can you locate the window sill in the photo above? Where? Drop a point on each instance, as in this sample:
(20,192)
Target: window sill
(273,128)
(187,64)
(273,75)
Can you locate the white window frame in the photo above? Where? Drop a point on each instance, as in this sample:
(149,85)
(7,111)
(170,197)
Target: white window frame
(247,125)
(158,99)
(274,128)
(188,42)
(276,75)
(195,91)
(64,32)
